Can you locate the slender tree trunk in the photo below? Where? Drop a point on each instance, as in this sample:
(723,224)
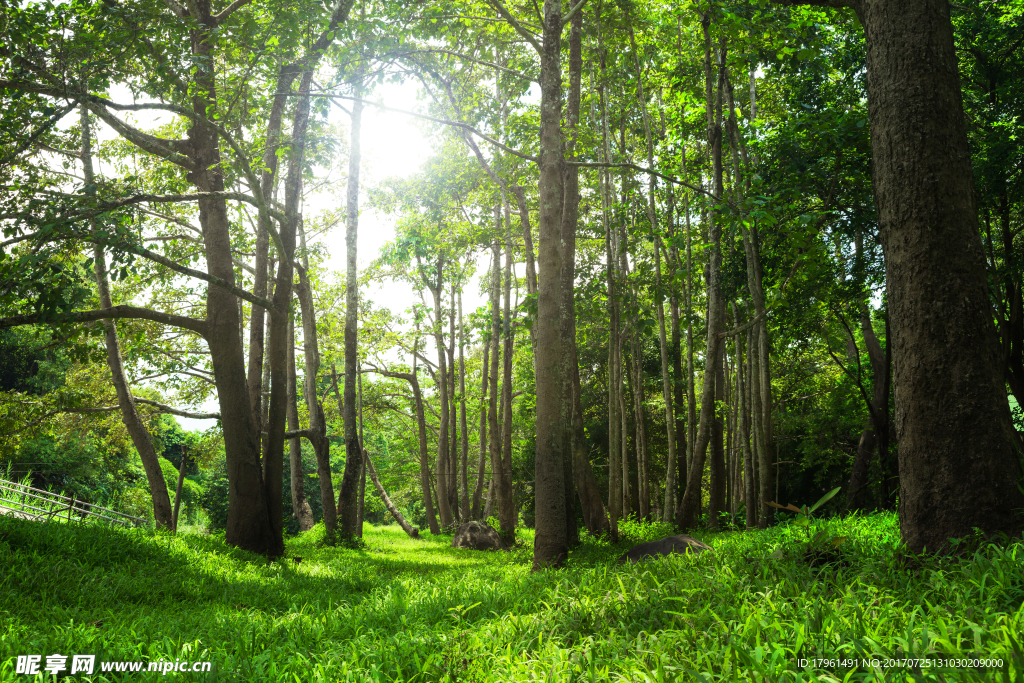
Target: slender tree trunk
(349,493)
(442,470)
(361,502)
(878,418)
(300,506)
(395,512)
(453,419)
(505,520)
(482,465)
(666,388)
(505,480)
(162,513)
(268,180)
(569,220)
(464,465)
(421,427)
(279,342)
(690,504)
(614,378)
(716,497)
(317,432)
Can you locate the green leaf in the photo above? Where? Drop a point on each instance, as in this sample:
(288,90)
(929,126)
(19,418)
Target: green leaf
(824,499)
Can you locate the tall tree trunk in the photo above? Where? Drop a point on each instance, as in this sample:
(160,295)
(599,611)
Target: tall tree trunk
(482,465)
(569,220)
(442,470)
(689,506)
(464,465)
(550,547)
(317,432)
(257,320)
(957,463)
(300,506)
(280,319)
(505,509)
(349,493)
(162,513)
(878,409)
(505,480)
(250,525)
(453,405)
(615,434)
(716,497)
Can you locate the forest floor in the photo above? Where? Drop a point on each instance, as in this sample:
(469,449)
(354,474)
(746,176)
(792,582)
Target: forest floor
(405,610)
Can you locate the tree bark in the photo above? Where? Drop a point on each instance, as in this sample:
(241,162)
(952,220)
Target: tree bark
(550,548)
(958,469)
(957,463)
(257,320)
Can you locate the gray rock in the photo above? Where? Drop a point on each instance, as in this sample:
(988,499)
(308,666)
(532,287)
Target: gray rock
(477,536)
(667,546)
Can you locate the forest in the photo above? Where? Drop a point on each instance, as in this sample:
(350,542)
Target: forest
(735,280)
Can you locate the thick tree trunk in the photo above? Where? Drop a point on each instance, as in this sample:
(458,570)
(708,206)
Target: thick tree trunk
(349,492)
(300,506)
(957,463)
(958,469)
(250,524)
(550,548)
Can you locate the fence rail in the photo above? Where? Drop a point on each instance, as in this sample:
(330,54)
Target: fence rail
(27,502)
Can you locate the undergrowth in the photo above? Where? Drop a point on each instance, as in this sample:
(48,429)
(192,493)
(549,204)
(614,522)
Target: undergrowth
(406,610)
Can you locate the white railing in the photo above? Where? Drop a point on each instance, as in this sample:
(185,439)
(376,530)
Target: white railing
(27,502)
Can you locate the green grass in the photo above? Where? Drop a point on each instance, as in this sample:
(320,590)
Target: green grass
(404,610)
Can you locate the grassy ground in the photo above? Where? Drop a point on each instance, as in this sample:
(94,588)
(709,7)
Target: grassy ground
(420,611)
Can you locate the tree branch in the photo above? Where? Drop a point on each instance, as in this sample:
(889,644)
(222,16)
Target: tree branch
(507,16)
(113,313)
(175,411)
